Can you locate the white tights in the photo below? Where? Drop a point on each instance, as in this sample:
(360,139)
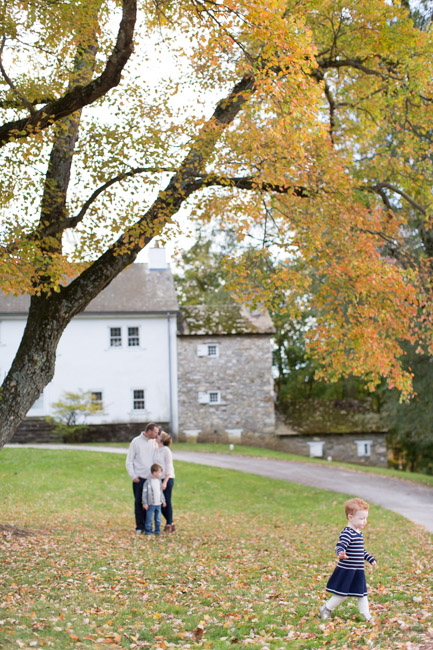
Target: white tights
(363,607)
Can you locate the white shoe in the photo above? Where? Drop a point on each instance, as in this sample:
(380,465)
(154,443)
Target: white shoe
(369,619)
(324,613)
(138,532)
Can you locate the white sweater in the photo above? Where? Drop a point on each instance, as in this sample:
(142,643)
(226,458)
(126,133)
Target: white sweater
(164,457)
(139,459)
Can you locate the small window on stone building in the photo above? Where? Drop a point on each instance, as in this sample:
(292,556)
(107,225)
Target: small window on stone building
(115,337)
(212,350)
(209,397)
(363,447)
(138,400)
(208,350)
(133,337)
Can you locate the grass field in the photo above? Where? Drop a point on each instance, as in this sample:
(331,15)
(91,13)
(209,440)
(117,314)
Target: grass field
(247,566)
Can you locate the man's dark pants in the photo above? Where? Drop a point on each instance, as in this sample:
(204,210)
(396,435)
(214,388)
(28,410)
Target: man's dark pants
(140,513)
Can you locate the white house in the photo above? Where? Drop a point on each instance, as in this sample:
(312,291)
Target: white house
(122,347)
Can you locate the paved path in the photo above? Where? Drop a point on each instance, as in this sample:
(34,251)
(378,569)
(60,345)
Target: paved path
(415,502)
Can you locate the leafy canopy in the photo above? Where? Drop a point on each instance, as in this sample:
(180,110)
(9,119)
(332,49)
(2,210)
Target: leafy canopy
(304,122)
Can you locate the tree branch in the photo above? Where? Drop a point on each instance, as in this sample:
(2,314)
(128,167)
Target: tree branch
(124,251)
(320,76)
(15,103)
(248,183)
(358,64)
(22,100)
(80,96)
(385,185)
(74,221)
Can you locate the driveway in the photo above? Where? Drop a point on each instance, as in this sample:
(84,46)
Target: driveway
(415,502)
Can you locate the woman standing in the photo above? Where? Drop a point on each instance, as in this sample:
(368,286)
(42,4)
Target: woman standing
(164,457)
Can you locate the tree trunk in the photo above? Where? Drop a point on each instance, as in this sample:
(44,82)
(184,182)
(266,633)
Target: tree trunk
(49,314)
(33,366)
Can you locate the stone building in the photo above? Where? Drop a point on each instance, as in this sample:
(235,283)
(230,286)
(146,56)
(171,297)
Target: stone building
(225,378)
(347,430)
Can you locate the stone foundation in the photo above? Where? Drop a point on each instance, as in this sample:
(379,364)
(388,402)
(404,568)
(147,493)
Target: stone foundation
(37,430)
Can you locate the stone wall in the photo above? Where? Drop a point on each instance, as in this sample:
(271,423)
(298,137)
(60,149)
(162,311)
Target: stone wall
(37,430)
(241,373)
(340,447)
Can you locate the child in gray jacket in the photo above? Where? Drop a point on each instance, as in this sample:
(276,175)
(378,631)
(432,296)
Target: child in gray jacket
(153,498)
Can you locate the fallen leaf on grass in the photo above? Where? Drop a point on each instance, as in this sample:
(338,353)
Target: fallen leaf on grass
(197,635)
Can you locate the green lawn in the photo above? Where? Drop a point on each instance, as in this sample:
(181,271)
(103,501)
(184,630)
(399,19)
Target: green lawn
(247,567)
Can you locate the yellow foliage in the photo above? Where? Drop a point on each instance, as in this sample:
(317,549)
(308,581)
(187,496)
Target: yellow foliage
(309,119)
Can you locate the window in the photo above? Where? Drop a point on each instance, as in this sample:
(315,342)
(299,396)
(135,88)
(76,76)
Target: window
(208,350)
(138,400)
(115,337)
(363,447)
(316,448)
(209,397)
(96,398)
(133,337)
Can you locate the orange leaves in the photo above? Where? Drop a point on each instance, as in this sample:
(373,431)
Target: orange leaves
(332,108)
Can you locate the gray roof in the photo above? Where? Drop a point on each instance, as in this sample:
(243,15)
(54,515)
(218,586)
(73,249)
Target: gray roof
(202,320)
(135,290)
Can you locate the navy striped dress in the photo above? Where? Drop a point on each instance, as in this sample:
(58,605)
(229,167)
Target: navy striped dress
(348,578)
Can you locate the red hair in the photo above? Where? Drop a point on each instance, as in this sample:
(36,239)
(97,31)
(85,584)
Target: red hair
(353,505)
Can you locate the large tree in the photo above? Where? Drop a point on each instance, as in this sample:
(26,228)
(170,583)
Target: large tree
(310,115)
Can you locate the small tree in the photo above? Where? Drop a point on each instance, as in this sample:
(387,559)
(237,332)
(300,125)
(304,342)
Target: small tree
(71,413)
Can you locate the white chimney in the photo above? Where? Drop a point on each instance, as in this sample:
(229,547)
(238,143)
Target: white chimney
(156,259)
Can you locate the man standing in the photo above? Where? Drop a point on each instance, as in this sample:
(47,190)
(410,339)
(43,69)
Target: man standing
(138,463)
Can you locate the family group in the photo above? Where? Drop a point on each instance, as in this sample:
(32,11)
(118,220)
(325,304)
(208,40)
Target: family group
(149,463)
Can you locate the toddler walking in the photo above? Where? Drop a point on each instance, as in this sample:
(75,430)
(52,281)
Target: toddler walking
(153,498)
(348,578)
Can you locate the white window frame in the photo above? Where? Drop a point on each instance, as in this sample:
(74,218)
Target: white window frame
(96,400)
(133,339)
(363,448)
(210,350)
(316,448)
(211,397)
(136,399)
(114,337)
